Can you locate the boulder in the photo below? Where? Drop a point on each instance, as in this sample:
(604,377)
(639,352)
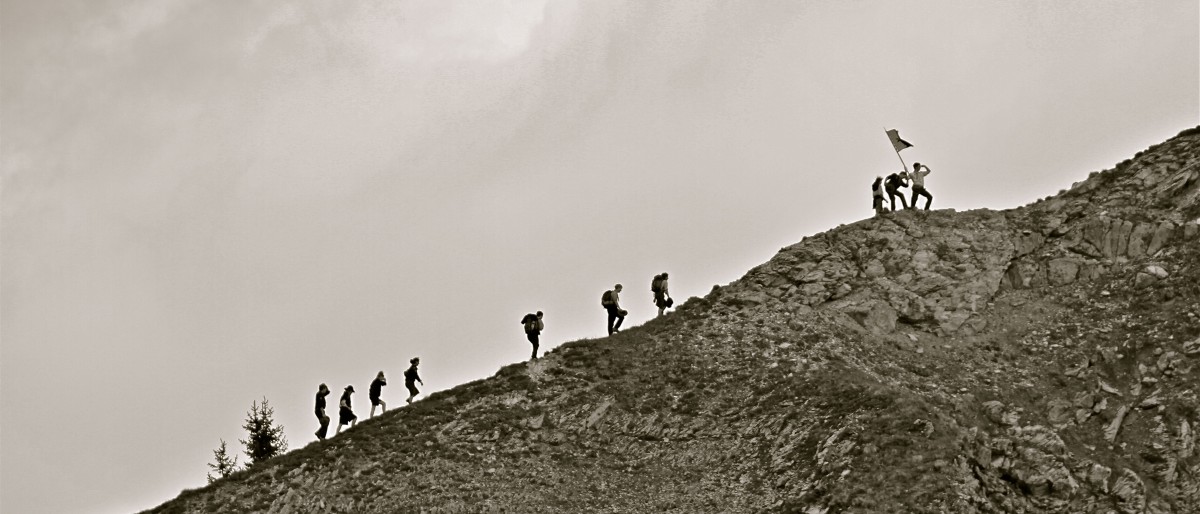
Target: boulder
(1062,271)
(1097,476)
(1162,236)
(1192,347)
(1060,412)
(1130,492)
(1139,238)
(996,412)
(1110,432)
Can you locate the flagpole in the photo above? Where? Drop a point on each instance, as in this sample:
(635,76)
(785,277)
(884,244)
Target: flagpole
(902,164)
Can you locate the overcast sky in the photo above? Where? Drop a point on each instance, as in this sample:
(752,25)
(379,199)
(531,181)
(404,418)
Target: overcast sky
(209,202)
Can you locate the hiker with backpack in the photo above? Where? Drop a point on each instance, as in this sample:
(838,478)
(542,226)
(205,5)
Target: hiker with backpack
(411,378)
(345,413)
(611,301)
(322,392)
(892,185)
(374,392)
(877,196)
(533,328)
(662,297)
(918,185)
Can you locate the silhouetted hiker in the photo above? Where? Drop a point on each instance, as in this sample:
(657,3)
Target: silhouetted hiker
(322,392)
(892,185)
(662,296)
(918,185)
(877,196)
(533,329)
(411,377)
(373,393)
(345,415)
(611,301)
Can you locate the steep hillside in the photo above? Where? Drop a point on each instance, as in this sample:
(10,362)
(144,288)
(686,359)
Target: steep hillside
(1040,359)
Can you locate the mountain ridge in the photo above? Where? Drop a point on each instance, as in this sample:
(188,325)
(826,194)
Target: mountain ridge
(1035,359)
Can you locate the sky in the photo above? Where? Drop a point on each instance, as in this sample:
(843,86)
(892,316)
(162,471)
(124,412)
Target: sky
(204,203)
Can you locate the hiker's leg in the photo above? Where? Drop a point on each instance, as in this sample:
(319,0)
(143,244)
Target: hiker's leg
(382,406)
(620,319)
(372,414)
(612,316)
(339,428)
(920,191)
(324,429)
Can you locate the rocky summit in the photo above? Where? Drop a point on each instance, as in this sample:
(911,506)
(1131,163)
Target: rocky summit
(1038,359)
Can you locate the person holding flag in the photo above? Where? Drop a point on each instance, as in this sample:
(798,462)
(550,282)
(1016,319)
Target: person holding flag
(917,175)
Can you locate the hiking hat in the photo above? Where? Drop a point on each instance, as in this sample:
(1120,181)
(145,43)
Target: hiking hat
(350,388)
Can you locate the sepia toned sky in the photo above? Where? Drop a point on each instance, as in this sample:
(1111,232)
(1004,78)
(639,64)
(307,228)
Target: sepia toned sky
(208,202)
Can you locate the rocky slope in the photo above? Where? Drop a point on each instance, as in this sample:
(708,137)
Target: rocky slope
(1040,359)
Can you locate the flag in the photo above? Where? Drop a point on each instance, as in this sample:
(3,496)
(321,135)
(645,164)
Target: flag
(897,143)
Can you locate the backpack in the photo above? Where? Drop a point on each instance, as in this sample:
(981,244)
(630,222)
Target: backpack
(606,299)
(656,284)
(531,323)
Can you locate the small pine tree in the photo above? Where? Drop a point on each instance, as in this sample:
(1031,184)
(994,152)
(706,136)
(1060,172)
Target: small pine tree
(222,465)
(266,438)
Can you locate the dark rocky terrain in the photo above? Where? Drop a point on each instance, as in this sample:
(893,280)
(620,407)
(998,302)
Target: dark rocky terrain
(1039,359)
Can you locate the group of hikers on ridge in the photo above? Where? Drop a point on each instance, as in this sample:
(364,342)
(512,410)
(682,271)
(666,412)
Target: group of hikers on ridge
(533,325)
(611,301)
(346,414)
(892,184)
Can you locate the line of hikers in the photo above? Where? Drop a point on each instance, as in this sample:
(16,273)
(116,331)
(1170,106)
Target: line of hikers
(345,410)
(892,185)
(610,300)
